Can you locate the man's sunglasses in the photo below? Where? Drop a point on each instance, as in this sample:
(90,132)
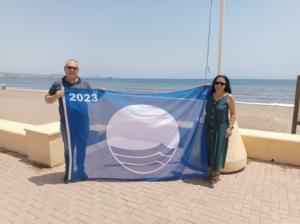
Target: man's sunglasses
(71,67)
(220,83)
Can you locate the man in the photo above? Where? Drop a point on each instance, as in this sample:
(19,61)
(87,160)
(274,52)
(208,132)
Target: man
(56,92)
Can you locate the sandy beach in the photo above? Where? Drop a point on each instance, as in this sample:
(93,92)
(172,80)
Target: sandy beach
(29,107)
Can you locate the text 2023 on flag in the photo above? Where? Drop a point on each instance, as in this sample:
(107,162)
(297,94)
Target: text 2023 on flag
(127,136)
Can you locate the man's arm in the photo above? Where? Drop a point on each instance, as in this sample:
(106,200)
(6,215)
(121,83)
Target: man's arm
(53,98)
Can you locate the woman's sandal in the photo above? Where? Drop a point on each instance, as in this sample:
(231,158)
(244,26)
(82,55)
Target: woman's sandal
(215,178)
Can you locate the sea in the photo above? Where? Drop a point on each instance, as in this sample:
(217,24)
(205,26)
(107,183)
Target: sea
(247,91)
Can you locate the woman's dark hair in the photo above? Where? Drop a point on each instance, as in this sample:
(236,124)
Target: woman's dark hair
(227,85)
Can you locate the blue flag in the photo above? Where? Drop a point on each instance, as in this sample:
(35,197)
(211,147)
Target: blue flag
(114,135)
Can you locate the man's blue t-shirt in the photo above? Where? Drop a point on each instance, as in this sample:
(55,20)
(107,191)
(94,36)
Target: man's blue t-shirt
(57,85)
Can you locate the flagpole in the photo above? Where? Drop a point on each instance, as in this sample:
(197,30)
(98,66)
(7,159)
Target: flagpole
(221,37)
(236,158)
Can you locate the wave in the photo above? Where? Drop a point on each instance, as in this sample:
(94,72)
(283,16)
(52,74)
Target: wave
(143,164)
(267,104)
(143,153)
(144,157)
(27,90)
(157,157)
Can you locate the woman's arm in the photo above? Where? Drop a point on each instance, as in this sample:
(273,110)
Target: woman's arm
(232,110)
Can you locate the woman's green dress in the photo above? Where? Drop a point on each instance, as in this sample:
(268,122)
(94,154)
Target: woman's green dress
(216,123)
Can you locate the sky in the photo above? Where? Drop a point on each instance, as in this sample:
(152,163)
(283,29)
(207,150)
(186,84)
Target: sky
(150,38)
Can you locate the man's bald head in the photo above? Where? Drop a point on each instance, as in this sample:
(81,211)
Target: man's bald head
(71,70)
(72,61)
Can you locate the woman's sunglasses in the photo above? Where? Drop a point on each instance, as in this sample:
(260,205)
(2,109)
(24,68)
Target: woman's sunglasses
(220,83)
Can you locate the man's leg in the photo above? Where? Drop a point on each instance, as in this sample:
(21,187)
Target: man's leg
(81,143)
(66,151)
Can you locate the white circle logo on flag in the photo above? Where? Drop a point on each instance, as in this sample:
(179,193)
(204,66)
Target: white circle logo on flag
(142,138)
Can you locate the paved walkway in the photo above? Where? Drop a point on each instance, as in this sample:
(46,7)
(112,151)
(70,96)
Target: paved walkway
(262,193)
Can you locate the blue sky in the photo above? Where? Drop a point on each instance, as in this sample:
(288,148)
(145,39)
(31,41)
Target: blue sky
(150,38)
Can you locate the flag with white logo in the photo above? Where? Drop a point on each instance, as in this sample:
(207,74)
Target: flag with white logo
(114,135)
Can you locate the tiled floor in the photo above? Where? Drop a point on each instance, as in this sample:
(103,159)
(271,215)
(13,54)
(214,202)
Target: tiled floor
(262,193)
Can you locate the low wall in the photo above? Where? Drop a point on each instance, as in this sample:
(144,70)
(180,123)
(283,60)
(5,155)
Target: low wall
(12,136)
(43,144)
(272,146)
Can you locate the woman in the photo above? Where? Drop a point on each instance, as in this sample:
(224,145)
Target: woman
(219,124)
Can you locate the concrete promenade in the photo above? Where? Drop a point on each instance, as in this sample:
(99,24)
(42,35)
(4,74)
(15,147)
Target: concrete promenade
(262,193)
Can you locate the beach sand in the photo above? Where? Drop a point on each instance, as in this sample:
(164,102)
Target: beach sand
(29,107)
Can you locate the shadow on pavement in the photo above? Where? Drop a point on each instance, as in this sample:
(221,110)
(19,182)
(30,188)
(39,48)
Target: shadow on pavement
(204,182)
(57,178)
(22,158)
(51,178)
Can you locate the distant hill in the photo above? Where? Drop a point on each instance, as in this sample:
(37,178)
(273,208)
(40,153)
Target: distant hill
(28,75)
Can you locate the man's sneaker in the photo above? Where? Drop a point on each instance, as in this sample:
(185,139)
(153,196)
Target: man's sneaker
(66,181)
